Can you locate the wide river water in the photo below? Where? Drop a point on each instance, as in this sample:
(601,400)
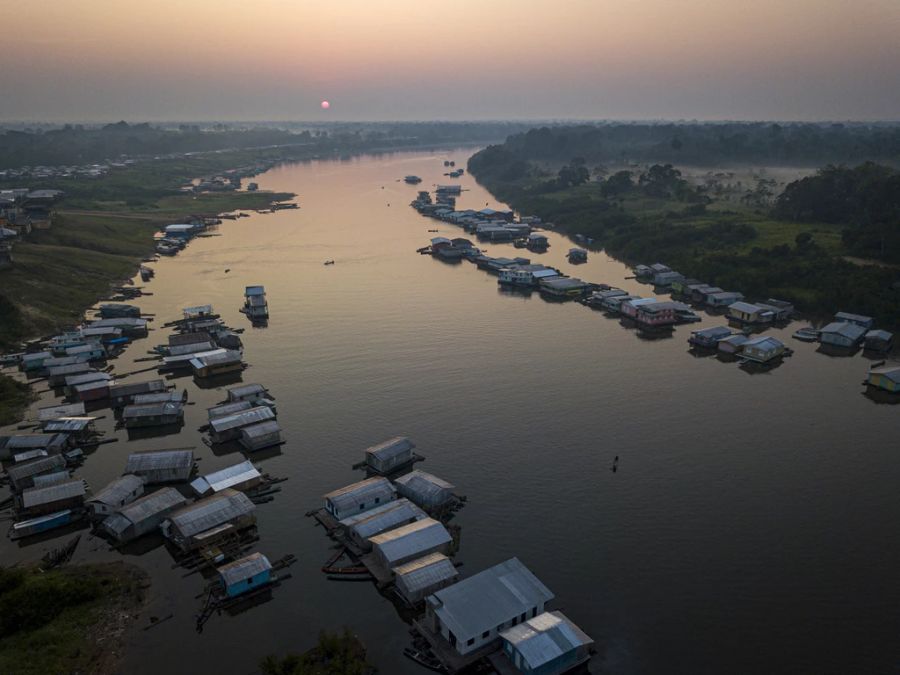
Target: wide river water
(752,525)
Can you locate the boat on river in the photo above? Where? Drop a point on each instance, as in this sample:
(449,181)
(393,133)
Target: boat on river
(806,334)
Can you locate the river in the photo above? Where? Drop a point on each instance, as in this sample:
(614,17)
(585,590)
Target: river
(751,525)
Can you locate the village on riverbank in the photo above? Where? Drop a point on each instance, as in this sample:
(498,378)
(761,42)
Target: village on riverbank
(743,340)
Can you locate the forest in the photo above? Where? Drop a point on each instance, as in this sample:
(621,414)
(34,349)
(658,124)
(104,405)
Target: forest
(827,243)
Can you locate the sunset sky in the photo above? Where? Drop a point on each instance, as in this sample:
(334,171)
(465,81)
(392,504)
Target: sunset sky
(459,59)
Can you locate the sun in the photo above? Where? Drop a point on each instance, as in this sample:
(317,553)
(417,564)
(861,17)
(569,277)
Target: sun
(325,105)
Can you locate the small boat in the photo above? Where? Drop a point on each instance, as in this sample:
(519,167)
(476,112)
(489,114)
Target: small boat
(32,526)
(424,660)
(806,334)
(329,262)
(520,243)
(412,180)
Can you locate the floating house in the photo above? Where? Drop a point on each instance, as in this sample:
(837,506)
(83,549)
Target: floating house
(471,614)
(408,542)
(96,390)
(55,478)
(885,377)
(260,435)
(130,326)
(359,528)
(56,375)
(92,351)
(198,312)
(226,409)
(118,493)
(548,644)
(577,255)
(423,576)
(565,287)
(180,231)
(39,501)
(723,298)
(526,275)
(186,360)
(73,381)
(879,340)
(782,309)
(241,476)
(207,521)
(537,242)
(123,394)
(143,515)
(64,410)
(856,319)
(842,334)
(244,575)
(708,337)
(114,310)
(390,455)
(682,286)
(666,278)
(656,314)
(34,361)
(255,304)
(229,361)
(425,489)
(228,427)
(79,429)
(248,392)
(52,443)
(359,497)
(732,344)
(161,466)
(152,414)
(762,349)
(162,397)
(746,312)
(21,476)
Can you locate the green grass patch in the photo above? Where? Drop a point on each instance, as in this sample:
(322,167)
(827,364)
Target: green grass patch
(53,622)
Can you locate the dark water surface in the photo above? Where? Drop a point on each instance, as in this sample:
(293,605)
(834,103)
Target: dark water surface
(752,525)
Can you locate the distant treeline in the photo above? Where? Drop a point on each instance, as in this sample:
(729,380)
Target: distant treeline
(713,144)
(78,145)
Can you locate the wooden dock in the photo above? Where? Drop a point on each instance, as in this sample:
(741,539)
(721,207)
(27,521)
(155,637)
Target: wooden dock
(453,661)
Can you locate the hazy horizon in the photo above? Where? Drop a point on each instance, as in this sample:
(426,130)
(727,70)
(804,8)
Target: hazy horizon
(405,60)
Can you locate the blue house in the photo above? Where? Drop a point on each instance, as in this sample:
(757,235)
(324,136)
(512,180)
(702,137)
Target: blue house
(548,644)
(245,574)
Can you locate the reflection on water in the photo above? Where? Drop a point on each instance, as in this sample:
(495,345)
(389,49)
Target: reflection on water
(750,525)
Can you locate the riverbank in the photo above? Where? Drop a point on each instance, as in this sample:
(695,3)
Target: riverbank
(69,620)
(15,397)
(730,244)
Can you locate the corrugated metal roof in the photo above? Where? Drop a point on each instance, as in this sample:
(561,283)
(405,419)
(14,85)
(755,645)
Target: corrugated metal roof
(47,479)
(133,388)
(55,411)
(545,637)
(152,410)
(490,598)
(245,390)
(18,472)
(218,358)
(198,310)
(161,397)
(211,512)
(352,496)
(191,348)
(713,333)
(255,290)
(37,496)
(375,521)
(68,424)
(152,504)
(28,441)
(225,478)
(242,569)
(150,460)
(425,572)
(411,539)
(29,454)
(764,342)
(228,409)
(391,448)
(880,335)
(261,429)
(423,483)
(854,318)
(86,378)
(241,419)
(851,331)
(746,307)
(118,490)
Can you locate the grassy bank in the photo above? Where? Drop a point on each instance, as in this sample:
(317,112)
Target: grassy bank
(100,233)
(14,399)
(68,620)
(335,654)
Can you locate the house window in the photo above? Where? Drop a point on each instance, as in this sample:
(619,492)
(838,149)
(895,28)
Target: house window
(500,627)
(524,616)
(533,612)
(470,642)
(485,634)
(515,621)
(362,506)
(377,499)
